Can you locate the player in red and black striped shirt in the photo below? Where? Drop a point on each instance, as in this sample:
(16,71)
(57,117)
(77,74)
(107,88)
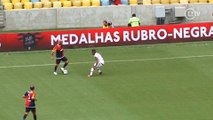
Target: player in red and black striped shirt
(58,49)
(30,97)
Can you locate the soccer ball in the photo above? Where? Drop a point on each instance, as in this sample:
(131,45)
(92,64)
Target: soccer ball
(65,72)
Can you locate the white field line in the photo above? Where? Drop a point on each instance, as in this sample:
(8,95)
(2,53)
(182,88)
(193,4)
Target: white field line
(112,61)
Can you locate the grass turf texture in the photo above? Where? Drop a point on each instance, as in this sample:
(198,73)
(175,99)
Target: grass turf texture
(170,89)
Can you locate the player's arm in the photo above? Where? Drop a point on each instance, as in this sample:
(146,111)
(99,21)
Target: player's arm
(25,94)
(33,97)
(53,51)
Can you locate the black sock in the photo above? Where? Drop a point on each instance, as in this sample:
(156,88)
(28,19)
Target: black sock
(56,68)
(25,116)
(65,64)
(35,117)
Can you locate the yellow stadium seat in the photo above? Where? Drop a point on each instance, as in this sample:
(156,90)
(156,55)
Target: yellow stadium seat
(5,1)
(193,1)
(18,6)
(86,3)
(203,1)
(76,3)
(96,3)
(47,5)
(16,1)
(146,2)
(174,1)
(23,1)
(8,6)
(37,5)
(210,1)
(62,1)
(43,1)
(155,1)
(184,1)
(53,1)
(67,3)
(164,2)
(28,5)
(133,2)
(56,4)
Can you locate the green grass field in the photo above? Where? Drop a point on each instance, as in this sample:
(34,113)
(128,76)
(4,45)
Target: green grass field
(148,82)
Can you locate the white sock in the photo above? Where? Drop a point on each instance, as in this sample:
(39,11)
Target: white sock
(91,71)
(99,70)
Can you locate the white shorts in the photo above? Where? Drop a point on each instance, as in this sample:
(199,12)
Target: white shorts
(99,65)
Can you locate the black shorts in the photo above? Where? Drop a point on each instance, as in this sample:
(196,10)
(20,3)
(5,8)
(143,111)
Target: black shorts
(64,59)
(30,109)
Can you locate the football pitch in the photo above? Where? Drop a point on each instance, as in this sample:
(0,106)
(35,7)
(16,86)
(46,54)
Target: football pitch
(142,82)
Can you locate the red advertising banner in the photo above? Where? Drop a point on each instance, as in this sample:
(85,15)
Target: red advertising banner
(107,37)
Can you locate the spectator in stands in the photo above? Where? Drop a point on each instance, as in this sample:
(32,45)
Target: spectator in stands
(134,21)
(105,24)
(115,2)
(110,24)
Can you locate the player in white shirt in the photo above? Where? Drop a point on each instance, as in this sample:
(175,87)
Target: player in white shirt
(98,64)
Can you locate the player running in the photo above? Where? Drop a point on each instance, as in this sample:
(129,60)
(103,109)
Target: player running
(30,97)
(98,64)
(59,57)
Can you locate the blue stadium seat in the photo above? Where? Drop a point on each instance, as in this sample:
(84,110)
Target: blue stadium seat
(34,1)
(105,2)
(125,2)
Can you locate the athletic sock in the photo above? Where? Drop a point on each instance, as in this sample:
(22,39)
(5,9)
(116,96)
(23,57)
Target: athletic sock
(25,116)
(91,71)
(99,70)
(35,117)
(65,64)
(56,68)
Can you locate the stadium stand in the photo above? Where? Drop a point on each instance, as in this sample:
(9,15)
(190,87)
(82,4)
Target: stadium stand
(34,1)
(96,3)
(16,1)
(43,1)
(57,4)
(28,5)
(67,3)
(53,1)
(124,2)
(203,1)
(18,5)
(155,2)
(76,3)
(133,2)
(174,1)
(193,1)
(5,1)
(8,6)
(47,4)
(105,2)
(164,1)
(86,3)
(184,1)
(23,1)
(146,2)
(37,5)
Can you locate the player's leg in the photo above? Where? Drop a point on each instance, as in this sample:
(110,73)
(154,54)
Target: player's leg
(99,68)
(34,113)
(27,110)
(56,66)
(92,70)
(66,62)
